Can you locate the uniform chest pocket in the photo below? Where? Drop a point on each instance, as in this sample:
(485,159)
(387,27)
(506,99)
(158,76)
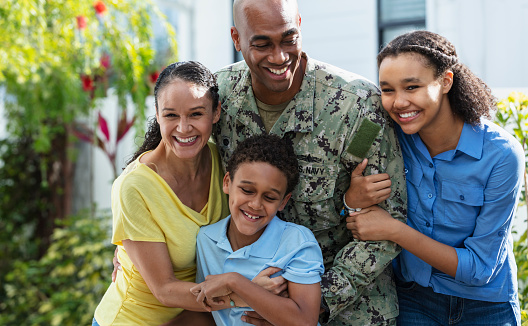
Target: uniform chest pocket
(462,203)
(313,196)
(316,182)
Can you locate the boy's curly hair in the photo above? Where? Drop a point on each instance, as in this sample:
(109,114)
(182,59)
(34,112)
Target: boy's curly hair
(269,149)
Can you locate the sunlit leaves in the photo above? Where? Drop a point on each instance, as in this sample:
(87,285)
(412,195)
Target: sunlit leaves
(51,58)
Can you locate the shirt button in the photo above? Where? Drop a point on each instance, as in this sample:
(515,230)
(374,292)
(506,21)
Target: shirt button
(461,197)
(430,196)
(427,224)
(501,233)
(333,288)
(430,165)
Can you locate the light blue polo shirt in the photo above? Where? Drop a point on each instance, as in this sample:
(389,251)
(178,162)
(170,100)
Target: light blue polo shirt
(288,246)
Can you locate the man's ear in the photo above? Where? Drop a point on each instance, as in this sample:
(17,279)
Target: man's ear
(235,37)
(447,81)
(227,180)
(284,202)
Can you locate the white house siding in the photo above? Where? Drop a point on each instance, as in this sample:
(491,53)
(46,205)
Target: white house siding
(343,33)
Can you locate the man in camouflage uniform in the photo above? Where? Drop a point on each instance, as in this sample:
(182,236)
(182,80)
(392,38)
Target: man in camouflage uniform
(334,119)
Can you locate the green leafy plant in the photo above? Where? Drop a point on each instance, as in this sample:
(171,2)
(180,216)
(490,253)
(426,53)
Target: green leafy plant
(512,114)
(57,59)
(66,284)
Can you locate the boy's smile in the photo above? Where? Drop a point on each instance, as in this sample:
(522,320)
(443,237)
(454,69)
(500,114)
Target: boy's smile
(256,192)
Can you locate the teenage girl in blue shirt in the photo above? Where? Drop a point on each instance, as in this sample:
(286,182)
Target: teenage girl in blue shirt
(463,184)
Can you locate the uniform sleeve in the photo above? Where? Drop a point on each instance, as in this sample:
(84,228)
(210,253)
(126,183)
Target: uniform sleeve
(306,266)
(485,251)
(132,218)
(357,265)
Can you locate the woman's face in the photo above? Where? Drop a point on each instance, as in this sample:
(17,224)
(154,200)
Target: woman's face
(186,117)
(412,95)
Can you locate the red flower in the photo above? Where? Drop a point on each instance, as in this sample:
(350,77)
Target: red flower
(87,83)
(100,7)
(105,61)
(81,22)
(154,76)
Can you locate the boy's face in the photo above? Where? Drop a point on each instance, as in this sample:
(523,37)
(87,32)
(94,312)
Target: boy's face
(256,192)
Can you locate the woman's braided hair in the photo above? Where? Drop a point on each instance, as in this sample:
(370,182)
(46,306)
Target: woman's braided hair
(470,97)
(189,71)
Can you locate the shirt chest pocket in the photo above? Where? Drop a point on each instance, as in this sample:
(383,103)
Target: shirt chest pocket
(313,196)
(462,203)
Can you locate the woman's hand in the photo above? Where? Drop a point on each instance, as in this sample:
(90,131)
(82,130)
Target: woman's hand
(276,285)
(215,289)
(372,223)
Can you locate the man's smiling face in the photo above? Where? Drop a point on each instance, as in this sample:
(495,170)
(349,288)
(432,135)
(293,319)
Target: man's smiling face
(268,34)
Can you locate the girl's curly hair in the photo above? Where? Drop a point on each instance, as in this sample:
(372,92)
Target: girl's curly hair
(470,97)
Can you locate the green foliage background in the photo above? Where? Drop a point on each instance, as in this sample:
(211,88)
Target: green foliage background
(66,284)
(54,266)
(512,114)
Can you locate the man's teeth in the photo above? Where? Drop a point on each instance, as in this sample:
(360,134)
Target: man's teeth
(408,114)
(186,140)
(279,72)
(253,217)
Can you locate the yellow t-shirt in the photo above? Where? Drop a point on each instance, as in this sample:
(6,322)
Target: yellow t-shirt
(145,208)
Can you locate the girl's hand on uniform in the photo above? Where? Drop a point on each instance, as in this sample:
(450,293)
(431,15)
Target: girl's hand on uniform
(365,191)
(372,223)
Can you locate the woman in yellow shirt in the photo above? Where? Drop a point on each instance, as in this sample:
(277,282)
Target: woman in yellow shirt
(171,187)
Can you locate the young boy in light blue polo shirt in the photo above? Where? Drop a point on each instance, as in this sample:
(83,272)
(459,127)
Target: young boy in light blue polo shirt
(261,175)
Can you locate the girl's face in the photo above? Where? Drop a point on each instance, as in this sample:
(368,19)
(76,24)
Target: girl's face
(412,95)
(186,117)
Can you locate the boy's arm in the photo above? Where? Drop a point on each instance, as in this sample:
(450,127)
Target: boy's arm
(300,308)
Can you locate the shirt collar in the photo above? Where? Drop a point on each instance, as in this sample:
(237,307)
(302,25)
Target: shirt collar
(264,247)
(471,143)
(297,116)
(471,140)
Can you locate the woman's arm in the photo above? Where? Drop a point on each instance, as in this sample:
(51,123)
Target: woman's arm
(376,224)
(300,308)
(153,263)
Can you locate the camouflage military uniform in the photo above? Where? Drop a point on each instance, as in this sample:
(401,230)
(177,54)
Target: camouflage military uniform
(321,121)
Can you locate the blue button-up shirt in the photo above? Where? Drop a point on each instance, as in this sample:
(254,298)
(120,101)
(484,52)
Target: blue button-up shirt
(465,198)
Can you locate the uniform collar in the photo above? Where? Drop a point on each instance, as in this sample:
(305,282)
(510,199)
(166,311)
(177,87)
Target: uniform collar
(297,116)
(264,247)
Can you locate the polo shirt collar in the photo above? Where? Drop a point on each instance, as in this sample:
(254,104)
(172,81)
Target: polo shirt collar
(264,247)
